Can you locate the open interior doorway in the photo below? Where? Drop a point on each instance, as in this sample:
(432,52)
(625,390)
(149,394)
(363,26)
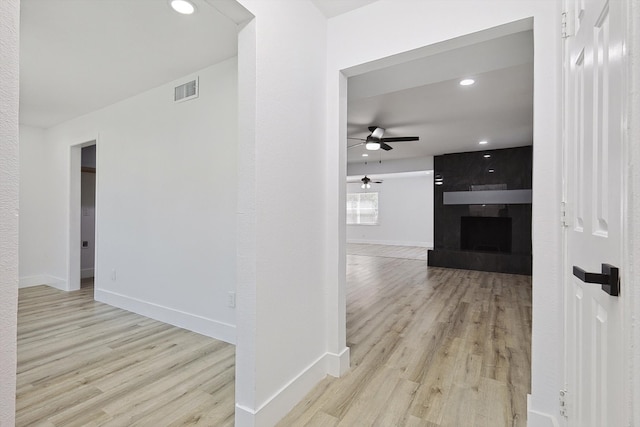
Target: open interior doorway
(472,100)
(88,216)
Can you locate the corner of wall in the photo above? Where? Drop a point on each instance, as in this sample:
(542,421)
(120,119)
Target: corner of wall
(280,403)
(43,280)
(201,325)
(338,364)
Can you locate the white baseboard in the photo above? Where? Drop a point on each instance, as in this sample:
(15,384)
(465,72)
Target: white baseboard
(338,364)
(539,419)
(202,325)
(279,405)
(85,273)
(42,279)
(392,243)
(29,281)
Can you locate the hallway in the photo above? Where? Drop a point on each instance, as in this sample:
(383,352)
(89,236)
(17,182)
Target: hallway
(429,347)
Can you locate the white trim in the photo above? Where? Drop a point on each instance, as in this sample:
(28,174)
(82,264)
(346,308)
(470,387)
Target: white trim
(43,279)
(85,273)
(202,325)
(539,419)
(29,281)
(338,364)
(631,204)
(391,242)
(278,405)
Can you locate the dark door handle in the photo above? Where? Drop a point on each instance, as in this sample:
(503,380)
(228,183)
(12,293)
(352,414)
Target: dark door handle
(609,278)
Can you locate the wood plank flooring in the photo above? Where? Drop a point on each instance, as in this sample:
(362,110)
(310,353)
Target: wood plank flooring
(84,363)
(388,251)
(429,347)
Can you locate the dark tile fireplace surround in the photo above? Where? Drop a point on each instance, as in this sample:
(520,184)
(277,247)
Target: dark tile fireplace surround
(480,223)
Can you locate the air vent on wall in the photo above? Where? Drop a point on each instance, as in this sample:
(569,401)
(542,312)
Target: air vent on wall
(186,91)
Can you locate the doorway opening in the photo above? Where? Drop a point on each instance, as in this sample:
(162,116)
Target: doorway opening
(82,214)
(413,98)
(88,216)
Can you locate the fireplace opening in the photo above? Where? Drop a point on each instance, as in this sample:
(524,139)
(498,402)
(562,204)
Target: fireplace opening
(487,234)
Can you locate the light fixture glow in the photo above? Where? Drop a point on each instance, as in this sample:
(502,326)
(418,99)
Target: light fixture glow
(184,7)
(365,155)
(467,82)
(372,146)
(486,156)
(483,142)
(439,183)
(492,170)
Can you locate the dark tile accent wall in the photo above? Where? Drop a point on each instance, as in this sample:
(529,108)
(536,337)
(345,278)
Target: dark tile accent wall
(512,170)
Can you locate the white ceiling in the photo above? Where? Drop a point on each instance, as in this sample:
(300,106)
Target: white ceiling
(332,8)
(423,98)
(77,56)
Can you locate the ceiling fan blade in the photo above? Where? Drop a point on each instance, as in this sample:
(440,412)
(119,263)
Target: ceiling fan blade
(355,145)
(359,139)
(377,182)
(385,146)
(401,139)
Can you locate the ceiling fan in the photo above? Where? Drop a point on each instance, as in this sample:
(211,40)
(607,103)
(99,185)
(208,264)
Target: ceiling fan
(375,141)
(366,182)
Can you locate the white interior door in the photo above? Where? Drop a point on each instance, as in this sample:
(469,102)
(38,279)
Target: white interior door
(593,177)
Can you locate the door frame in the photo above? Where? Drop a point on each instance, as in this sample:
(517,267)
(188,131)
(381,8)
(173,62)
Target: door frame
(74,248)
(630,268)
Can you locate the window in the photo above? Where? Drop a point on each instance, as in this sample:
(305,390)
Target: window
(362,208)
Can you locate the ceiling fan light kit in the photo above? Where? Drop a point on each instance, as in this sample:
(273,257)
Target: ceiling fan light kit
(366,182)
(375,141)
(372,145)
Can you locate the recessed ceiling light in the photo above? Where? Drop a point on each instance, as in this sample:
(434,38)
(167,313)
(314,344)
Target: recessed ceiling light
(486,156)
(467,82)
(184,7)
(365,155)
(483,142)
(492,170)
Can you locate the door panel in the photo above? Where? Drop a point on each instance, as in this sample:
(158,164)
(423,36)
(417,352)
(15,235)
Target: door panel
(593,177)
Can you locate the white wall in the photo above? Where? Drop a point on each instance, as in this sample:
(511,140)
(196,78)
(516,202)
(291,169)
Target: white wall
(282,347)
(409,26)
(391,166)
(405,212)
(34,223)
(9,178)
(166,203)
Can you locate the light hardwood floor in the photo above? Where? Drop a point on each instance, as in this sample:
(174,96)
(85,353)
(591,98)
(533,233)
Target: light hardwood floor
(83,363)
(387,251)
(429,347)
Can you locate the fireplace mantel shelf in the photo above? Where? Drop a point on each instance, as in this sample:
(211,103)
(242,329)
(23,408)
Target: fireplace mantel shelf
(487,197)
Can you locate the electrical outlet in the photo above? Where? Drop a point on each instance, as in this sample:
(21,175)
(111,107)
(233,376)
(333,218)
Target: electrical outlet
(231,299)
